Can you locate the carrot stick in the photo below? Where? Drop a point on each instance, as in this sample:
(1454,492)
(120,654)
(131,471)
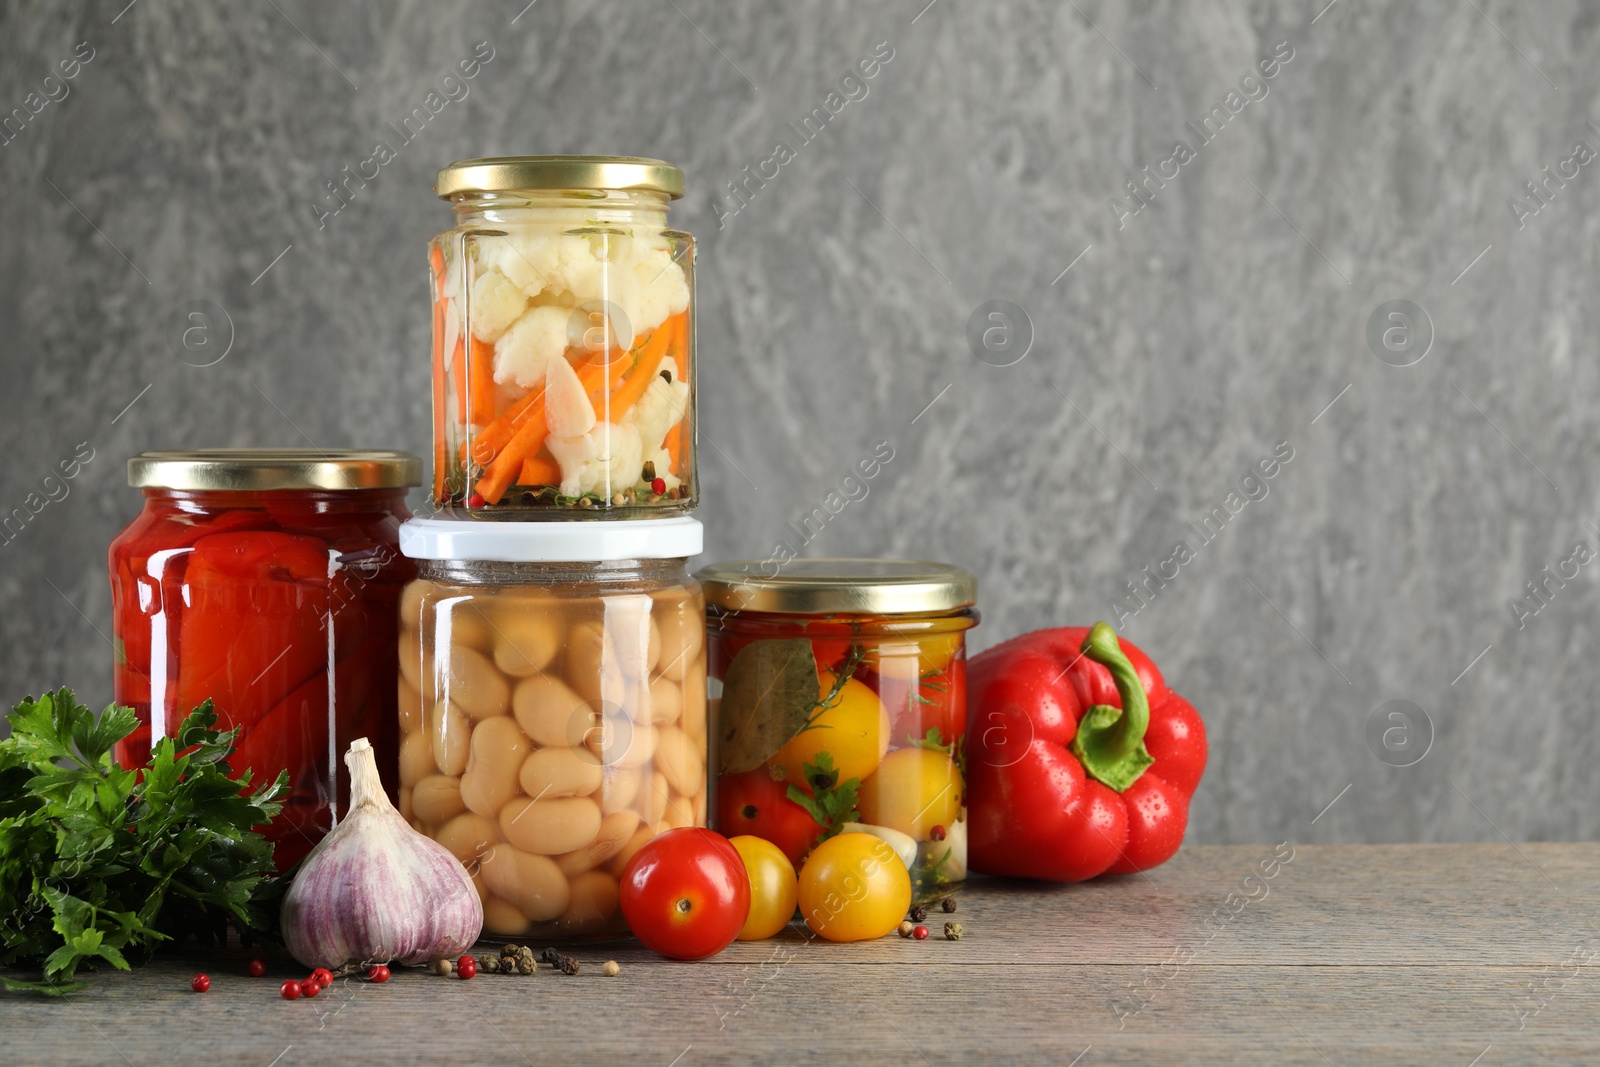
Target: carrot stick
(506,467)
(440,451)
(540,470)
(488,443)
(458,379)
(644,372)
(480,383)
(675,444)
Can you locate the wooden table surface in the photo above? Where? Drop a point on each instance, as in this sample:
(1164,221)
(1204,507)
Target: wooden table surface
(1452,954)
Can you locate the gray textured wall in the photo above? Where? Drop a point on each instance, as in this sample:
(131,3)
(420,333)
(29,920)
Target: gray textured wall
(1180,348)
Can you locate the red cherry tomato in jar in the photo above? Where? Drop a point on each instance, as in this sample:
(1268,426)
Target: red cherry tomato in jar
(937,701)
(752,804)
(685,894)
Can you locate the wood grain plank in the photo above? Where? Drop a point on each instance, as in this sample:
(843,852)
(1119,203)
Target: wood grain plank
(1356,954)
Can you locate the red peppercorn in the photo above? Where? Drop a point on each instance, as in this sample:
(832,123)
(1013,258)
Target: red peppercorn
(937,833)
(289,990)
(257,968)
(476,500)
(310,987)
(658,486)
(200,983)
(466,967)
(323,977)
(380,973)
(920,933)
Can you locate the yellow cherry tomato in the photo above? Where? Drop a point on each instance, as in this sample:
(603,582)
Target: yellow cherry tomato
(774,889)
(914,790)
(853,887)
(937,650)
(852,728)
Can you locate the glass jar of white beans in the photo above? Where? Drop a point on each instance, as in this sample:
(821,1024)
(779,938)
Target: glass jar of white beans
(552,709)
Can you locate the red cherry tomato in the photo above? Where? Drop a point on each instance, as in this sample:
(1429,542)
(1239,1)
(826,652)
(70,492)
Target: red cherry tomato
(685,894)
(753,804)
(938,701)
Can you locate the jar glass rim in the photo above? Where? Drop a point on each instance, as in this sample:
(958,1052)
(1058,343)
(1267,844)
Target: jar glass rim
(259,469)
(516,173)
(839,586)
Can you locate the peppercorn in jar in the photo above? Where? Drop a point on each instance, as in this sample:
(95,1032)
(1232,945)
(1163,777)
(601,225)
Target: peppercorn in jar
(838,690)
(563,340)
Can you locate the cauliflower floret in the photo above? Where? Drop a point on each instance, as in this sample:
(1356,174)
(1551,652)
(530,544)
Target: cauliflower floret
(641,281)
(496,303)
(657,411)
(605,460)
(523,352)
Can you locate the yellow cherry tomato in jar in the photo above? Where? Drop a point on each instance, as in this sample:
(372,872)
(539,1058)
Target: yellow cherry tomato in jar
(774,889)
(852,727)
(914,790)
(853,887)
(937,650)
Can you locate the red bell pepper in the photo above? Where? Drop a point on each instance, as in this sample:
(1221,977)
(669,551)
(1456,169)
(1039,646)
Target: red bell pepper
(1080,760)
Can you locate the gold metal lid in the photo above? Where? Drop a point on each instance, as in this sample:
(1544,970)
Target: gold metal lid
(260,469)
(839,586)
(504,174)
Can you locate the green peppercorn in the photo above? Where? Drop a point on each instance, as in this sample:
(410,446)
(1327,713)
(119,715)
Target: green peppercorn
(952,931)
(488,964)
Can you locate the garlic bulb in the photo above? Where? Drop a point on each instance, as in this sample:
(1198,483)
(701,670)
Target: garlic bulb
(374,890)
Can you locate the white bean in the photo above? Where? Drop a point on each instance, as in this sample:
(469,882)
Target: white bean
(534,885)
(560,772)
(437,799)
(451,734)
(549,827)
(680,760)
(551,712)
(490,779)
(476,686)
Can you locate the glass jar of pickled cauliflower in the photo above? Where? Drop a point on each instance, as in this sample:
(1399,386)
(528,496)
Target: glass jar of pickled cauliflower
(552,708)
(838,690)
(266,581)
(563,340)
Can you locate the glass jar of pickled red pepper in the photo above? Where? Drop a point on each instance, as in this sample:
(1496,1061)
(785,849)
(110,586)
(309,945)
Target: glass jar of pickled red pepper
(563,341)
(838,690)
(266,581)
(553,708)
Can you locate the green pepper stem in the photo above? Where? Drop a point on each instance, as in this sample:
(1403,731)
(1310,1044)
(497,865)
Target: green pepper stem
(1110,741)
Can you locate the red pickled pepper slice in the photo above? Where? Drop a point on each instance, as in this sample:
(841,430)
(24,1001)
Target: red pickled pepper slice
(253,624)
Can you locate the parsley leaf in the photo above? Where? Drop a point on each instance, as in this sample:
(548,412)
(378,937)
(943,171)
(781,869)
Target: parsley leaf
(831,803)
(98,863)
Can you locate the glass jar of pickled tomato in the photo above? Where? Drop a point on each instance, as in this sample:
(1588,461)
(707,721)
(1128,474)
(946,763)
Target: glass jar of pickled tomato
(553,708)
(563,340)
(267,581)
(838,690)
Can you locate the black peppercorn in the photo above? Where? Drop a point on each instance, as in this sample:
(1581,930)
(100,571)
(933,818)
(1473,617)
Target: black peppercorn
(919,914)
(569,965)
(948,904)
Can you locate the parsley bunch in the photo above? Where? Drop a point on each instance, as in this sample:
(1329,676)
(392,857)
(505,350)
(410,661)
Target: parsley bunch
(98,863)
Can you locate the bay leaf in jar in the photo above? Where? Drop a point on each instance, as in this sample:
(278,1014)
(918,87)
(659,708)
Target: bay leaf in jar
(768,696)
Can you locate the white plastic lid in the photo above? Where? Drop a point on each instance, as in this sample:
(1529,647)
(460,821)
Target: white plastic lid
(580,541)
